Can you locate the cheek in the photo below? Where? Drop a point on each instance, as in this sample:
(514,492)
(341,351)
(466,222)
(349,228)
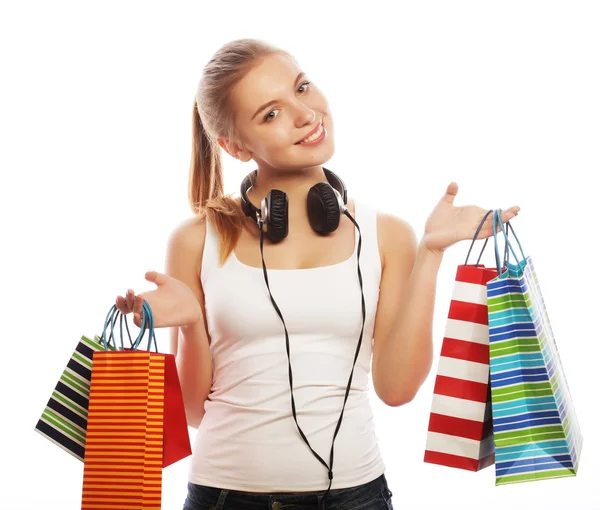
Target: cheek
(328,123)
(275,139)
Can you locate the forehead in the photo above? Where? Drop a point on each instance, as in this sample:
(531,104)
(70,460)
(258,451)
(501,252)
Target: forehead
(272,78)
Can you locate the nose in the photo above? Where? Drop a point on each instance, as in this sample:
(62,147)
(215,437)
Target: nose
(305,115)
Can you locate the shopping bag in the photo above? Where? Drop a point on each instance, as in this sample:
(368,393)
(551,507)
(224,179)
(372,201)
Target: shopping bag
(176,437)
(64,420)
(124,436)
(536,431)
(129,422)
(459,430)
(123,452)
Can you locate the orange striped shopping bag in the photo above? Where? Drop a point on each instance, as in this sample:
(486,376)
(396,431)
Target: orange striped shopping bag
(460,423)
(124,443)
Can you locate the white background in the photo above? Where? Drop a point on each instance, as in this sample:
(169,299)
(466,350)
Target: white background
(96,100)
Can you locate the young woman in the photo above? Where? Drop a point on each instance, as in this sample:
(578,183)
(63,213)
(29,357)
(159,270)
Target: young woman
(281,302)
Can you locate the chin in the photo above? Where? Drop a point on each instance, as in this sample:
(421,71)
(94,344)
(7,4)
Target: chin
(315,160)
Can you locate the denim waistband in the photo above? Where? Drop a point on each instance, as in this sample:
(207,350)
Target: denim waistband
(336,499)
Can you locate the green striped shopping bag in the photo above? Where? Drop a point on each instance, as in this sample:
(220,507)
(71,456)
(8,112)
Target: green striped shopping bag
(536,431)
(64,419)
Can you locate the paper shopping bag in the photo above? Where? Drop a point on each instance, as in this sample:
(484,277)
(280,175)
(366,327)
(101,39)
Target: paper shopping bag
(123,451)
(176,437)
(64,420)
(459,431)
(536,431)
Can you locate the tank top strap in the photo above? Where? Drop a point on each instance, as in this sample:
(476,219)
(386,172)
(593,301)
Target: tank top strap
(366,217)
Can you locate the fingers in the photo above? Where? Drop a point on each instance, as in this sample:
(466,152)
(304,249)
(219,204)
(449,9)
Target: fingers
(137,310)
(510,213)
(156,277)
(122,303)
(451,192)
(130,297)
(131,303)
(505,216)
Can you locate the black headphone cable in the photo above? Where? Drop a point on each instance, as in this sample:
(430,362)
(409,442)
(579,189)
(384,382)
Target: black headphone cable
(287,345)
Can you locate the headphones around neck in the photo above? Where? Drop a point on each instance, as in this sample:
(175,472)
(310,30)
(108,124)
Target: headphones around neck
(325,203)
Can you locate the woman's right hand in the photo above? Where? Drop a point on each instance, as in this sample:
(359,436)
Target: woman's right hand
(172,303)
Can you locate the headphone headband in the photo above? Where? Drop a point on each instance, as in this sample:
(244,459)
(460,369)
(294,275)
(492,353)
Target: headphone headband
(252,211)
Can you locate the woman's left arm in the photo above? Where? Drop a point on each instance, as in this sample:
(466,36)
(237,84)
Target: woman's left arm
(403,347)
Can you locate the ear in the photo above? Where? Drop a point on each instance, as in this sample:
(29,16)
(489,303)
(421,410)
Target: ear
(234,150)
(244,156)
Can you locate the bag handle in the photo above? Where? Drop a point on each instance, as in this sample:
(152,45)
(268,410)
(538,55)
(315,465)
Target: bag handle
(111,319)
(484,244)
(147,322)
(111,341)
(498,220)
(113,312)
(121,316)
(505,232)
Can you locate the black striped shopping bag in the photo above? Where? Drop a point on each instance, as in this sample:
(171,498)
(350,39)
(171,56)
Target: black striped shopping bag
(64,420)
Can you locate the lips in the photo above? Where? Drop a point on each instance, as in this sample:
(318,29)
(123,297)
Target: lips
(310,133)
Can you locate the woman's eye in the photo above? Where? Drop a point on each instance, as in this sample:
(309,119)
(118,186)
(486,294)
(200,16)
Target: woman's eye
(306,83)
(269,117)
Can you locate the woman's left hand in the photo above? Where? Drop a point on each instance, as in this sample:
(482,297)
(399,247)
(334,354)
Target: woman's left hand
(448,224)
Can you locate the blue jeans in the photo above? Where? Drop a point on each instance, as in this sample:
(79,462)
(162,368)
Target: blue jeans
(373,495)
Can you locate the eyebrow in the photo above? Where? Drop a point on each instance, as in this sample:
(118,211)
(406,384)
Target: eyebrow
(266,105)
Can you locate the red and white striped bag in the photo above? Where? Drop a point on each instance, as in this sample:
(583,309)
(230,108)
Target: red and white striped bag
(460,424)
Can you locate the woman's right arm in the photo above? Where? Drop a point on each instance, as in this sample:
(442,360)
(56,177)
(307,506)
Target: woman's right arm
(190,344)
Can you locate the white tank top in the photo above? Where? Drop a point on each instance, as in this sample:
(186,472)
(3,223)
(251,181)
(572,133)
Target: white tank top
(248,440)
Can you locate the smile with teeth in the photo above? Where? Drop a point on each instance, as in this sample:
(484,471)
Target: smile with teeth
(314,136)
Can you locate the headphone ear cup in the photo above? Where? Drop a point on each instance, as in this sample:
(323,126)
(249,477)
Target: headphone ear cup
(277,215)
(323,208)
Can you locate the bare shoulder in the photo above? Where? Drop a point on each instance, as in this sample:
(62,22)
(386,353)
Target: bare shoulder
(396,237)
(186,244)
(190,231)
(390,226)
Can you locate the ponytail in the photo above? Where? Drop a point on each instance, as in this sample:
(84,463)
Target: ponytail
(206,194)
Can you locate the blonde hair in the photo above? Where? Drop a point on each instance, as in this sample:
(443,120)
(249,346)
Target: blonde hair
(213,116)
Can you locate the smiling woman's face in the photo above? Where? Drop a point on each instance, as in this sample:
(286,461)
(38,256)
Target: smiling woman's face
(276,108)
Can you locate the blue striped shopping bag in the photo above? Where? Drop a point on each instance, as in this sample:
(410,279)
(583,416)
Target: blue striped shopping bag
(536,431)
